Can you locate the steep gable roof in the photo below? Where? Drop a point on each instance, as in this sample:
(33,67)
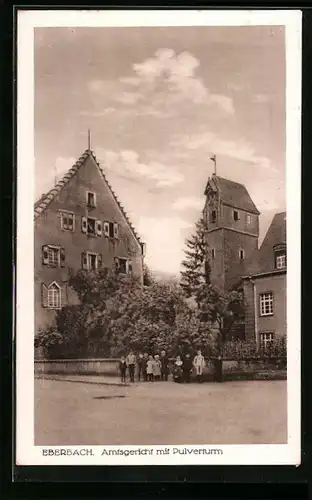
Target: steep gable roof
(45,199)
(233,194)
(263,260)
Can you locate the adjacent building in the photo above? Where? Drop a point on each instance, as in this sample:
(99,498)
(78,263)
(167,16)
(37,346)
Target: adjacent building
(80,224)
(265,286)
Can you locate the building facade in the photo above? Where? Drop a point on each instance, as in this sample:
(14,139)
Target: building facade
(80,224)
(265,286)
(232,230)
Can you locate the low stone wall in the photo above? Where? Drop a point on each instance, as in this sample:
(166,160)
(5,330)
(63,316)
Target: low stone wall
(108,367)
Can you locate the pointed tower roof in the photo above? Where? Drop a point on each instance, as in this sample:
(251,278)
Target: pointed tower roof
(44,201)
(232,193)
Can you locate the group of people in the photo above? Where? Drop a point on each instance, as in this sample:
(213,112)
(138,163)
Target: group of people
(150,368)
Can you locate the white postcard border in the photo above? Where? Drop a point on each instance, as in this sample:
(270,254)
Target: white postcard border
(26,452)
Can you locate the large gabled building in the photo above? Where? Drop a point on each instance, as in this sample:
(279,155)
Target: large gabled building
(80,224)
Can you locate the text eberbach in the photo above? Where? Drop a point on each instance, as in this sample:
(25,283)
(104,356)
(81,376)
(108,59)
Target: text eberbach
(58,452)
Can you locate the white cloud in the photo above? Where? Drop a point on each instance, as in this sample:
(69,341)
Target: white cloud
(164,241)
(103,112)
(224,102)
(169,78)
(62,165)
(128,97)
(128,164)
(187,202)
(54,173)
(238,149)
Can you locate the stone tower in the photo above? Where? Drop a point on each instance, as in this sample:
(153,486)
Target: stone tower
(232,230)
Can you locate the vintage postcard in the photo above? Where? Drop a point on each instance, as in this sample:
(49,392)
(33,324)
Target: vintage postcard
(158,238)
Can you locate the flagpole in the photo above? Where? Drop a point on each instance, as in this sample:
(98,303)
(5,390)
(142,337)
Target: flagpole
(89,140)
(214,159)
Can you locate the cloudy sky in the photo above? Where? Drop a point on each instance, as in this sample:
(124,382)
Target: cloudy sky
(159,102)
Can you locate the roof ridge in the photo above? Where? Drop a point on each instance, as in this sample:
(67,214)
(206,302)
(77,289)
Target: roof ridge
(124,213)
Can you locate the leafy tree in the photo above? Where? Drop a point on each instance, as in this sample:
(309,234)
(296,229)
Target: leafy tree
(195,264)
(221,310)
(148,278)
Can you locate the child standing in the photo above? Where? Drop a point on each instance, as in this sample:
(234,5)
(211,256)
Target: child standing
(141,366)
(123,369)
(149,369)
(177,370)
(199,365)
(157,368)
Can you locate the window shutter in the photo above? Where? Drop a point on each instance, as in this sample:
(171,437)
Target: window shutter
(115,230)
(71,222)
(84,260)
(99,261)
(117,264)
(45,254)
(62,257)
(44,295)
(84,224)
(99,228)
(106,228)
(64,295)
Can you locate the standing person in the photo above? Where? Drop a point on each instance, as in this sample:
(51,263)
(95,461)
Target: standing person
(149,369)
(187,368)
(141,363)
(164,365)
(177,370)
(145,359)
(123,369)
(199,365)
(131,361)
(157,368)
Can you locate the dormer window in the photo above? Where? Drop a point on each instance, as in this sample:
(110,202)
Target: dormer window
(213,216)
(280,257)
(236,215)
(91,199)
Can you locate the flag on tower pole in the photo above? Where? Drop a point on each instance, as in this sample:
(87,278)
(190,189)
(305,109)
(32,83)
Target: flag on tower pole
(214,159)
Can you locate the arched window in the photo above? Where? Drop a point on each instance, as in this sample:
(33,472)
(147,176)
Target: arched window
(54,296)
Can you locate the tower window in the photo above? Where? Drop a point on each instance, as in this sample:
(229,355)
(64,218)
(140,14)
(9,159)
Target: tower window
(235,215)
(213,216)
(213,253)
(241,254)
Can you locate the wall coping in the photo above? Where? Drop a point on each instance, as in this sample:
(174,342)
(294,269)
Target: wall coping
(71,360)
(213,358)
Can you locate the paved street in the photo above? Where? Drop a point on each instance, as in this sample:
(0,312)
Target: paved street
(68,413)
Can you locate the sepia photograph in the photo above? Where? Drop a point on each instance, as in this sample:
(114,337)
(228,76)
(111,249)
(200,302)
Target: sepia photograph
(159,302)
